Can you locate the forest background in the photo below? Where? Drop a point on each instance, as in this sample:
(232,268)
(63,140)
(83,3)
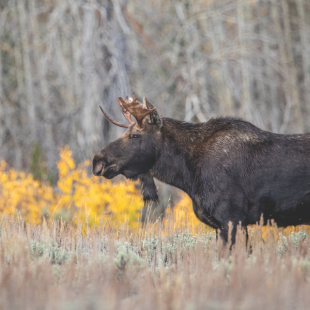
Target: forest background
(60,60)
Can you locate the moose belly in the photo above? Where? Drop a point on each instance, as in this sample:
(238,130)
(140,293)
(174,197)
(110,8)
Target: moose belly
(285,212)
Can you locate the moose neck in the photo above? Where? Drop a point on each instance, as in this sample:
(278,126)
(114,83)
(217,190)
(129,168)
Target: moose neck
(175,162)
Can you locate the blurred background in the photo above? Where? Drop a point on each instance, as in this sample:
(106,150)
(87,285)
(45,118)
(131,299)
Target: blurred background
(61,59)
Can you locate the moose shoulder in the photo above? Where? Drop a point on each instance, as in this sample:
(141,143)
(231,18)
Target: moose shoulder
(232,170)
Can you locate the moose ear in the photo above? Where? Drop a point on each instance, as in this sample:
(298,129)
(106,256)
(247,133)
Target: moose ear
(154,116)
(149,190)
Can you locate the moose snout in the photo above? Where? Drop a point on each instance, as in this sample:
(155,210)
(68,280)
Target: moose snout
(98,165)
(97,169)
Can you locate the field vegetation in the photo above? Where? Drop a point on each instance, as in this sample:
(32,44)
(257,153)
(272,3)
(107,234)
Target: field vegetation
(57,265)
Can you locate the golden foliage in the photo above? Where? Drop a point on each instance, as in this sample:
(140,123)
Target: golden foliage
(79,198)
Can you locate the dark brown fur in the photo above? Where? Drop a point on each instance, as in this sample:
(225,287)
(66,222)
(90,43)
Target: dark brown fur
(232,170)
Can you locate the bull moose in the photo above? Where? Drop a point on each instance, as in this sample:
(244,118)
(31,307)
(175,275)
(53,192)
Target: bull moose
(232,170)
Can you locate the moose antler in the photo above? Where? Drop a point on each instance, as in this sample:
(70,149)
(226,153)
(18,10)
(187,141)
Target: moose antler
(124,111)
(130,107)
(135,109)
(112,121)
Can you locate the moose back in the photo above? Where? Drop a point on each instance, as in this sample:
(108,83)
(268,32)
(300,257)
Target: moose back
(232,170)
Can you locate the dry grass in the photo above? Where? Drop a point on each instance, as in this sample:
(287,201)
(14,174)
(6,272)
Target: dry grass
(53,266)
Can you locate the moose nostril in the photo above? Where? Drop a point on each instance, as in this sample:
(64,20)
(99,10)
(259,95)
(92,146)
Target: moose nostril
(98,168)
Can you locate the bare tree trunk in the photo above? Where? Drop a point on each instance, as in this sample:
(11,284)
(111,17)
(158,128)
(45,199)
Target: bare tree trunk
(16,113)
(88,82)
(296,105)
(28,74)
(305,51)
(48,141)
(246,103)
(3,112)
(193,107)
(218,43)
(272,81)
(287,63)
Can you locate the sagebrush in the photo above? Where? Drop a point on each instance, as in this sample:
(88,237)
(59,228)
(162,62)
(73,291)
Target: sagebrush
(59,266)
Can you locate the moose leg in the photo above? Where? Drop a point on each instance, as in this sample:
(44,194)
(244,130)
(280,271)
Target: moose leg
(223,250)
(224,235)
(246,236)
(229,234)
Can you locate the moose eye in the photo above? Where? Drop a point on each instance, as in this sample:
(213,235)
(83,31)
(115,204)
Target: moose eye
(135,137)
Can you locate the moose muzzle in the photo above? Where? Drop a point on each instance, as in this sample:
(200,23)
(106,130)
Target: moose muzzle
(98,165)
(103,167)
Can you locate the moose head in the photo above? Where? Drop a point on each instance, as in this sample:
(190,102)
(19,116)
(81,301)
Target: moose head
(134,153)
